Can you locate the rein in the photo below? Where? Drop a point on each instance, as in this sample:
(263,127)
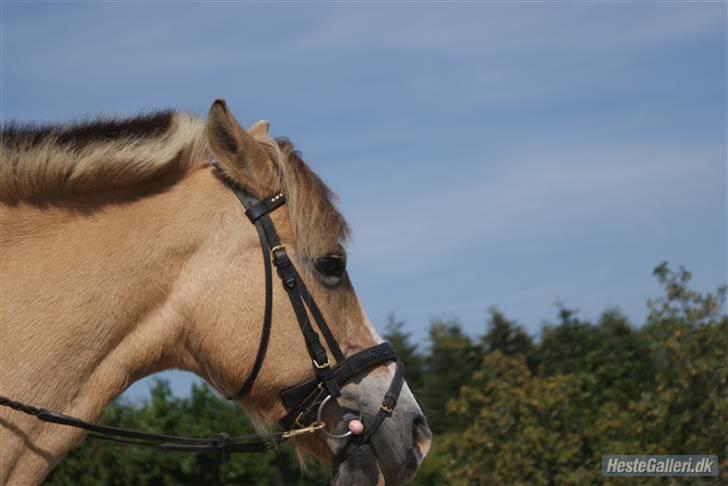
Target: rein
(304,402)
(222,443)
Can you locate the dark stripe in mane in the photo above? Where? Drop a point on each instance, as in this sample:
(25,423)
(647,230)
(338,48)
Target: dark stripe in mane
(80,134)
(54,163)
(44,162)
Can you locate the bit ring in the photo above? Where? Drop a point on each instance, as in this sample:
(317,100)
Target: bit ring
(320,412)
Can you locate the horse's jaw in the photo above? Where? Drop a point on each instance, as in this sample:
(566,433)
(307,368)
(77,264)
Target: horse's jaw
(360,468)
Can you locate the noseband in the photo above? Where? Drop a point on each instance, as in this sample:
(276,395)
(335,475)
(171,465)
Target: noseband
(305,402)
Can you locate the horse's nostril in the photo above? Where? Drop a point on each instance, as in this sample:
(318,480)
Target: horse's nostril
(421,436)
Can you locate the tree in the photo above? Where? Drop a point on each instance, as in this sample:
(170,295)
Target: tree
(451,360)
(522,428)
(683,304)
(611,358)
(505,336)
(407,352)
(599,389)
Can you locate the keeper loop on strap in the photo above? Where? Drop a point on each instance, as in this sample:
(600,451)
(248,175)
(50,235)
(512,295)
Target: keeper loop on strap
(264,207)
(279,257)
(321,366)
(275,249)
(327,376)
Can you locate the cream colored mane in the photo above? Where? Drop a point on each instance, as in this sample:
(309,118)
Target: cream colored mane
(54,162)
(50,162)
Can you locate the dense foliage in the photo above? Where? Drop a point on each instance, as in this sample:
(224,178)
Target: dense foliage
(505,408)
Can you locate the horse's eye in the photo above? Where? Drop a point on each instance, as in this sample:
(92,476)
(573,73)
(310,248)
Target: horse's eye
(331,265)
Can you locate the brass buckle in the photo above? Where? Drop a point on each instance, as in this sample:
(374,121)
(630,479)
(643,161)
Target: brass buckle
(273,251)
(386,409)
(276,248)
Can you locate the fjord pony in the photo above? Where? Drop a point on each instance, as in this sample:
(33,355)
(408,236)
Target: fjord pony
(123,255)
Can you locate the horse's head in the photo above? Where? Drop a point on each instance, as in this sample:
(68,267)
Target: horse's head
(227,325)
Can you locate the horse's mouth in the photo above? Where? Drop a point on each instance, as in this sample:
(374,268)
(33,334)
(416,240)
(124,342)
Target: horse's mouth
(360,468)
(363,468)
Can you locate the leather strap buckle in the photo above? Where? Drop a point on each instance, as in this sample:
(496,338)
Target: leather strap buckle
(276,248)
(321,366)
(298,420)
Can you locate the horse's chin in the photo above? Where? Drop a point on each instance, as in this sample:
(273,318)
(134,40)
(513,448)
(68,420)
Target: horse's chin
(360,468)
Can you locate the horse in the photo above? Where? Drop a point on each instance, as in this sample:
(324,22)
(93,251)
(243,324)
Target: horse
(125,253)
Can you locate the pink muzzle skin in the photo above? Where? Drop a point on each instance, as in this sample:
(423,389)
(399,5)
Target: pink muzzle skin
(356,427)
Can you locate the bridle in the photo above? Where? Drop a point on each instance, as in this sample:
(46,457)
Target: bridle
(301,400)
(305,402)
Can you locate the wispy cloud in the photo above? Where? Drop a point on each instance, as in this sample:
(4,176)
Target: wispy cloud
(498,31)
(535,194)
(153,44)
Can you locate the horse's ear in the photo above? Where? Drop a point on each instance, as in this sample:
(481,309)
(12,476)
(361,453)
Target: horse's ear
(260,129)
(240,156)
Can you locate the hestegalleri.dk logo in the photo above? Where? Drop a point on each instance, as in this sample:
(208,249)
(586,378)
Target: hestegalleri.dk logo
(696,465)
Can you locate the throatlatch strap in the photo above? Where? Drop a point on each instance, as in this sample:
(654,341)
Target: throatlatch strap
(267,205)
(267,320)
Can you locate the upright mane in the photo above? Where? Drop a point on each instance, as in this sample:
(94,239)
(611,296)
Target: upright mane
(50,162)
(43,162)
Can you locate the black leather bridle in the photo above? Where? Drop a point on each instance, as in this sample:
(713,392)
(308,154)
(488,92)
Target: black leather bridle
(303,402)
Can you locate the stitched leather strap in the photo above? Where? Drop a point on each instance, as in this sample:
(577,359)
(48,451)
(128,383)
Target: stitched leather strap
(345,371)
(301,400)
(258,213)
(321,322)
(372,426)
(266,206)
(268,309)
(222,443)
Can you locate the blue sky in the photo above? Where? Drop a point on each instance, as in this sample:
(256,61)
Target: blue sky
(493,154)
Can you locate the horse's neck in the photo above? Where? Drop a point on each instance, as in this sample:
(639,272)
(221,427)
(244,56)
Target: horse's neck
(86,300)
